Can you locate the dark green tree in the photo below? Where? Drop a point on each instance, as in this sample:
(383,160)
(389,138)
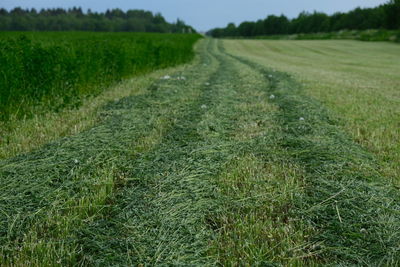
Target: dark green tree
(74,19)
(392,14)
(385,16)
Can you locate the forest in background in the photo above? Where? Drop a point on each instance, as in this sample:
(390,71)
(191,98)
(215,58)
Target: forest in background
(386,16)
(75,19)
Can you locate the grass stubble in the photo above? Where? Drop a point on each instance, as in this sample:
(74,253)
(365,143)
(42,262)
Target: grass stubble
(349,205)
(357,81)
(232,165)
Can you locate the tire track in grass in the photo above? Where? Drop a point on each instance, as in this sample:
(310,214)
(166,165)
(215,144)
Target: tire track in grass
(192,202)
(353,210)
(257,185)
(48,193)
(160,218)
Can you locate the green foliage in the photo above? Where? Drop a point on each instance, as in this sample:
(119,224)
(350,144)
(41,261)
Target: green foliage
(50,71)
(385,16)
(75,19)
(392,14)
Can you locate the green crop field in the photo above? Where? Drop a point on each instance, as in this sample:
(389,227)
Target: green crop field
(252,153)
(49,71)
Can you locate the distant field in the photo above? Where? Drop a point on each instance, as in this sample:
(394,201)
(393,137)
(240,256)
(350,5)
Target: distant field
(359,81)
(43,72)
(366,35)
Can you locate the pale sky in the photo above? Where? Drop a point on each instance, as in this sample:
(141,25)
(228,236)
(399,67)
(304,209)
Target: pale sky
(205,14)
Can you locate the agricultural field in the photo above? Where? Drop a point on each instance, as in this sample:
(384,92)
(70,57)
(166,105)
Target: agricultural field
(44,73)
(54,70)
(358,81)
(255,153)
(365,35)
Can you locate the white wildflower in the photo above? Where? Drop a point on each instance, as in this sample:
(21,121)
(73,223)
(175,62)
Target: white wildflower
(270,76)
(166,77)
(301,119)
(272,97)
(76,161)
(203,106)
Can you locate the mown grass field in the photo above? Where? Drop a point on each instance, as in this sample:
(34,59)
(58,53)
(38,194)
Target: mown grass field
(359,81)
(226,161)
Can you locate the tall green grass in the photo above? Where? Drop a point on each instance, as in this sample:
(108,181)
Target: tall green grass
(41,72)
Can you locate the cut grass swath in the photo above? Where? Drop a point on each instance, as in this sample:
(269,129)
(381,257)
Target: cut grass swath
(350,206)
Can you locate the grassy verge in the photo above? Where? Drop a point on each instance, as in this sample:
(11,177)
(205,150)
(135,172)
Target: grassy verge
(358,81)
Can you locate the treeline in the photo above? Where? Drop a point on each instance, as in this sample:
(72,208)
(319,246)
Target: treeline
(386,16)
(74,19)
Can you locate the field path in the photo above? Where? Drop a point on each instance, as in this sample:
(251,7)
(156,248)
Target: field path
(223,163)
